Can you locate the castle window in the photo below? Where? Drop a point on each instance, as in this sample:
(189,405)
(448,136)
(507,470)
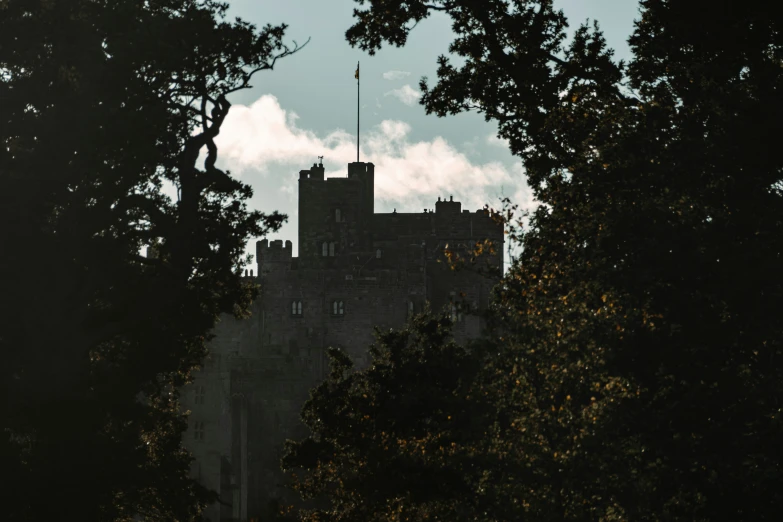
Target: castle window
(331,249)
(456,312)
(296,308)
(337,216)
(337,308)
(324,249)
(410,309)
(200,393)
(198,430)
(378,254)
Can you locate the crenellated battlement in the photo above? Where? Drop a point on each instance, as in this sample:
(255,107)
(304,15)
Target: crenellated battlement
(273,254)
(338,224)
(316,172)
(276,244)
(274,248)
(444,207)
(360,169)
(448,207)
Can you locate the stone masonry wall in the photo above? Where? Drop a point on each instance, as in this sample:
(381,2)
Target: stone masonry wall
(246,400)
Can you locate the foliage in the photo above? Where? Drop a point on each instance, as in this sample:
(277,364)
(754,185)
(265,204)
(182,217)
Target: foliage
(638,368)
(398,439)
(104,105)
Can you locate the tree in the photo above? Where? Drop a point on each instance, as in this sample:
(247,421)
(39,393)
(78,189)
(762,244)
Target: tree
(400,439)
(638,370)
(103,104)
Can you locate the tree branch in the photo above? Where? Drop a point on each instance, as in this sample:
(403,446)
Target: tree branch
(267,66)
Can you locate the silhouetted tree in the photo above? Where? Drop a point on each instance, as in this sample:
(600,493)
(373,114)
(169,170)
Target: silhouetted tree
(400,439)
(638,369)
(102,104)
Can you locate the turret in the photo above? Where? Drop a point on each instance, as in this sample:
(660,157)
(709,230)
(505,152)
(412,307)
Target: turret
(365,172)
(274,255)
(316,172)
(335,212)
(448,207)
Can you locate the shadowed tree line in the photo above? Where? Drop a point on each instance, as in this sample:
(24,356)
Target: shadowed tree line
(103,103)
(634,367)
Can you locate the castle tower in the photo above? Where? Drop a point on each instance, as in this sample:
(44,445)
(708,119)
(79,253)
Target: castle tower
(356,270)
(273,256)
(334,214)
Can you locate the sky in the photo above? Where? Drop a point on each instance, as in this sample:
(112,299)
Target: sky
(306,107)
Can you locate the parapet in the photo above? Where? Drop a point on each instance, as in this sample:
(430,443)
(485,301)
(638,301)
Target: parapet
(448,207)
(490,221)
(273,251)
(360,168)
(316,172)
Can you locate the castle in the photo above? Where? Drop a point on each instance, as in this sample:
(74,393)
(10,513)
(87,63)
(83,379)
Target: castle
(356,269)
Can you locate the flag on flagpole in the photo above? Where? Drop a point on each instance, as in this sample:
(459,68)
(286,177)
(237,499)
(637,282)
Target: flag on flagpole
(356,74)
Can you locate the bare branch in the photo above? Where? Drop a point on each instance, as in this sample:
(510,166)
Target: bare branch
(267,66)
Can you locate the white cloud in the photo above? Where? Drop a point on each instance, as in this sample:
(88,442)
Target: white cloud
(395,75)
(409,175)
(406,94)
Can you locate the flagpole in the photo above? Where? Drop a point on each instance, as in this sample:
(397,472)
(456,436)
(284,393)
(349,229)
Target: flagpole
(358,81)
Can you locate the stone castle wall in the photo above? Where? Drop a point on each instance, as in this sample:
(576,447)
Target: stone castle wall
(355,270)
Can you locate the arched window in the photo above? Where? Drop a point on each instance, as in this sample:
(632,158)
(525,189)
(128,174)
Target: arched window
(324,249)
(378,254)
(456,312)
(337,216)
(331,249)
(296,307)
(337,307)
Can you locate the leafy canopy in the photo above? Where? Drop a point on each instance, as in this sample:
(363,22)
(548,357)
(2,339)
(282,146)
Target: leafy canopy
(104,104)
(387,441)
(637,369)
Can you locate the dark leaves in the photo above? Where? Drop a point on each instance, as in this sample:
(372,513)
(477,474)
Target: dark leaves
(637,363)
(103,105)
